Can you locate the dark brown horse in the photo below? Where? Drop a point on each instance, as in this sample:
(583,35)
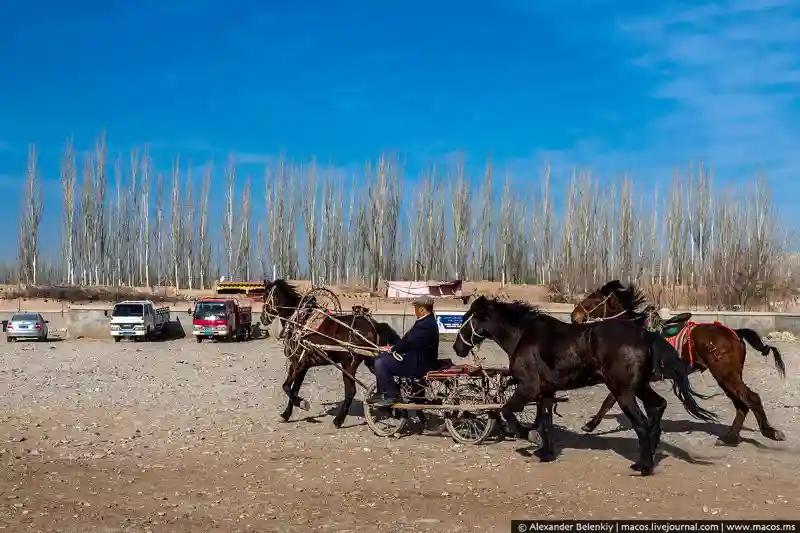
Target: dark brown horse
(357,329)
(547,355)
(705,346)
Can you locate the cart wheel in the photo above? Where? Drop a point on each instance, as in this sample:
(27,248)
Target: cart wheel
(325,299)
(199,338)
(469,427)
(382,421)
(117,339)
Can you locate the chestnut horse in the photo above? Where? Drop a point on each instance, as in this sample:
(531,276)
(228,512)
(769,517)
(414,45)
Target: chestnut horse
(358,328)
(705,346)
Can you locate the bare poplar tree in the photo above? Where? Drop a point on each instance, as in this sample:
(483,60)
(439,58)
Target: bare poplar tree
(30,218)
(331,221)
(243,253)
(378,220)
(430,228)
(483,224)
(162,275)
(89,218)
(144,235)
(505,231)
(203,241)
(176,213)
(118,232)
(283,214)
(98,229)
(308,205)
(228,223)
(626,231)
(677,234)
(69,178)
(133,247)
(189,229)
(460,194)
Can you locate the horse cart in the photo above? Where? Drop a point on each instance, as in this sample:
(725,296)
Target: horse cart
(468,397)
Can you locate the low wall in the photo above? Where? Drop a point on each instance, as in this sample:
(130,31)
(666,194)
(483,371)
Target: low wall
(93,323)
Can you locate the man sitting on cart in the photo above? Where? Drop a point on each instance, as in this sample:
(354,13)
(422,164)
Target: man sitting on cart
(416,354)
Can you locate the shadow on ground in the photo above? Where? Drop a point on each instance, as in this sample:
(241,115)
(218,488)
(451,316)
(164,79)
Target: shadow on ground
(684,426)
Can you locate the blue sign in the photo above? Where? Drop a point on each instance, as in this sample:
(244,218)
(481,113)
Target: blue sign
(449,322)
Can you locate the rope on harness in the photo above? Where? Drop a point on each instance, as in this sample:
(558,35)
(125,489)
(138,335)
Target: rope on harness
(684,336)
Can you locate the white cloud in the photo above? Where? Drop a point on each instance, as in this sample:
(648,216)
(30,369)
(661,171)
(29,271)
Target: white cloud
(732,72)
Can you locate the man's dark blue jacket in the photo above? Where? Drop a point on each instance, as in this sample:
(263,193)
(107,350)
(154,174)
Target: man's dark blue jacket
(420,346)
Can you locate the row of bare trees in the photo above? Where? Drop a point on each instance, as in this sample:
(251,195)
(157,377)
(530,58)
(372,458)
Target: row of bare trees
(319,224)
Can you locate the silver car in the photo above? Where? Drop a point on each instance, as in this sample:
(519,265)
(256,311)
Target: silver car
(26,326)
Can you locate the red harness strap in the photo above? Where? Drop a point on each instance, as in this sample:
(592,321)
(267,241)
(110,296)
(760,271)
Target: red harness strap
(685,335)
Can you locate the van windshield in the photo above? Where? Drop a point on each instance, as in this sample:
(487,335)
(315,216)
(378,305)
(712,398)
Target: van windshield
(128,310)
(208,310)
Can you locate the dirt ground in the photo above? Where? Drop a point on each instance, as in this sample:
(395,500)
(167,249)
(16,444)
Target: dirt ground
(176,436)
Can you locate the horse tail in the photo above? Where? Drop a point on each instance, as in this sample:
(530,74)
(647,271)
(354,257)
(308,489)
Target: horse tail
(669,363)
(754,340)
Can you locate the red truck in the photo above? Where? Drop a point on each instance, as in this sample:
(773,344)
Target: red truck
(221,317)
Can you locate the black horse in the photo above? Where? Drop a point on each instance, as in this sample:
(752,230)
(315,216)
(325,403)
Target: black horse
(358,329)
(547,355)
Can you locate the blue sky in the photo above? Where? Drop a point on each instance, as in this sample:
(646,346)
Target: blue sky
(623,86)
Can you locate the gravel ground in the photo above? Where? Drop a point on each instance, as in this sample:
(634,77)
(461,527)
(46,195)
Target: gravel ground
(176,436)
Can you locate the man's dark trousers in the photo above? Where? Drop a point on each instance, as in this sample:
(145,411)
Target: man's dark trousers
(419,348)
(386,368)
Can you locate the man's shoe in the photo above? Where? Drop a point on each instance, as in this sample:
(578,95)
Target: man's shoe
(376,397)
(386,402)
(380,400)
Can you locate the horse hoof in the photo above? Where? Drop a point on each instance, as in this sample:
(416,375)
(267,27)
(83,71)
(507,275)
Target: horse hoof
(304,405)
(645,470)
(338,424)
(547,458)
(535,438)
(284,418)
(728,441)
(588,428)
(778,435)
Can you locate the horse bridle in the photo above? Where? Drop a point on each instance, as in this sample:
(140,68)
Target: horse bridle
(604,303)
(275,313)
(473,335)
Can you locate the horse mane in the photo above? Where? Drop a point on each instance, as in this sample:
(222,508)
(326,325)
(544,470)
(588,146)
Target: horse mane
(287,288)
(630,297)
(611,287)
(514,311)
(386,333)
